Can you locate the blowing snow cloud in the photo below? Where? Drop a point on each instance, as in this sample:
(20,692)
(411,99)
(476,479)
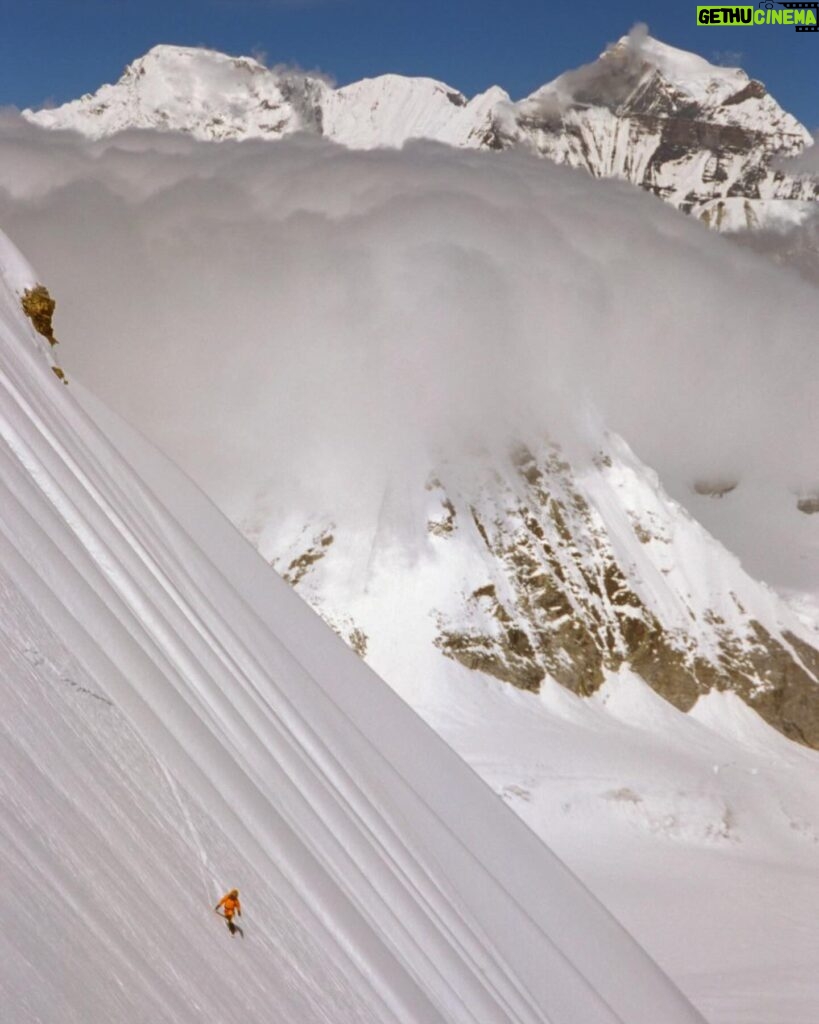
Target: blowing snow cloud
(308,315)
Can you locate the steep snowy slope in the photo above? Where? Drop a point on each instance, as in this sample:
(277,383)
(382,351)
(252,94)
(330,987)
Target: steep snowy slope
(391,109)
(695,836)
(392,885)
(700,136)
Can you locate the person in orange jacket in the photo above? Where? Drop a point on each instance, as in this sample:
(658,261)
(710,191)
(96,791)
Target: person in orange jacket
(230,903)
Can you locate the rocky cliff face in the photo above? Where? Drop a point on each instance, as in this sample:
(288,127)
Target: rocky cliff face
(699,136)
(537,570)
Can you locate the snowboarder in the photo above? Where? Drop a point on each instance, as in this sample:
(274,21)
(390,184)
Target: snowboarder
(230,903)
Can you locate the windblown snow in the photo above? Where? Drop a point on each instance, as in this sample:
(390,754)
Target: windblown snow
(177,721)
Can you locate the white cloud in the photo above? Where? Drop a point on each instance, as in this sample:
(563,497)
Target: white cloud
(298,313)
(728,58)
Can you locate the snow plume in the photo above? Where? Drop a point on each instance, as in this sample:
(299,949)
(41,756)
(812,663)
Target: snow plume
(322,318)
(604,82)
(296,71)
(807,163)
(637,38)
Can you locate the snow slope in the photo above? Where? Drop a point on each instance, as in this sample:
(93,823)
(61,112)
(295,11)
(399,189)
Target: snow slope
(699,831)
(145,642)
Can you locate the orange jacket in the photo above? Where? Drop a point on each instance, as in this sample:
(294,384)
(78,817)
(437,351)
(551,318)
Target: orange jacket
(231,904)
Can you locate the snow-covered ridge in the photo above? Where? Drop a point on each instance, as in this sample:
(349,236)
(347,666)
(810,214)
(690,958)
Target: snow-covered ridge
(391,109)
(700,136)
(213,96)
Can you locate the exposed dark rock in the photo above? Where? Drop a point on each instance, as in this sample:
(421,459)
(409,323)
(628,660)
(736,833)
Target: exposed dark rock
(301,565)
(809,504)
(753,90)
(358,640)
(445,526)
(39,308)
(715,488)
(569,610)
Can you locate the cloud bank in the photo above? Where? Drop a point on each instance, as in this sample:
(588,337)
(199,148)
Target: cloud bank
(314,320)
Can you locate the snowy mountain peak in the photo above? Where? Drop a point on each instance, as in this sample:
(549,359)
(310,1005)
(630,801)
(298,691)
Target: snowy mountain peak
(701,137)
(688,71)
(167,52)
(201,92)
(187,68)
(391,109)
(640,75)
(630,61)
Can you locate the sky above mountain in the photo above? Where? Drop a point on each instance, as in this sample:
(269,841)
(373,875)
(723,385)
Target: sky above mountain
(55,50)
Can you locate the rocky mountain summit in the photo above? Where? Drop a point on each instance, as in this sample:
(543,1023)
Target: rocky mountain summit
(702,137)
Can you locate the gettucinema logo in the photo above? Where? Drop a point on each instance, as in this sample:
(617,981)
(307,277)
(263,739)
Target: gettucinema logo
(804,17)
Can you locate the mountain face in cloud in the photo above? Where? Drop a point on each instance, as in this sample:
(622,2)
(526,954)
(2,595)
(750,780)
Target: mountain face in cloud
(700,136)
(530,571)
(319,334)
